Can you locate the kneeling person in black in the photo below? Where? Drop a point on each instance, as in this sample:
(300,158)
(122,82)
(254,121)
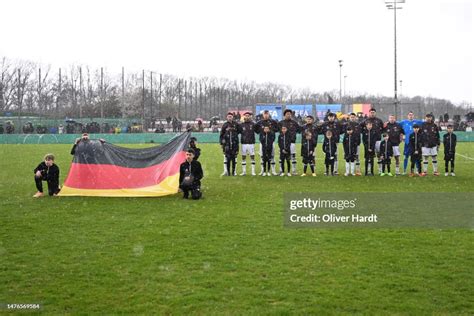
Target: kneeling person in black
(47,171)
(190,175)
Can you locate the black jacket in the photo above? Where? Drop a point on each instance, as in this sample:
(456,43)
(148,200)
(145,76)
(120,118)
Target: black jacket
(386,149)
(369,138)
(429,135)
(335,127)
(377,126)
(394,130)
(330,147)
(262,123)
(226,126)
(230,141)
(415,143)
(50,174)
(356,130)
(284,143)
(267,139)
(449,141)
(197,152)
(247,132)
(307,147)
(350,143)
(292,126)
(313,129)
(193,169)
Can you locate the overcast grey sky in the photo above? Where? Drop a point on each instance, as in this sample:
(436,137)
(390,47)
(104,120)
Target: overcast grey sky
(292,42)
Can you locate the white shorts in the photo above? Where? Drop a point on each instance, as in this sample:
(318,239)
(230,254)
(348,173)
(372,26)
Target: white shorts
(377,146)
(396,151)
(248,149)
(358,151)
(429,151)
(261,153)
(293,148)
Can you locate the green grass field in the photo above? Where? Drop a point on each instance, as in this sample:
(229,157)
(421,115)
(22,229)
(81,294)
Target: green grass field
(226,254)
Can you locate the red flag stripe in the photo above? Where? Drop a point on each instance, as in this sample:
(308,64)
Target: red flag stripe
(102,176)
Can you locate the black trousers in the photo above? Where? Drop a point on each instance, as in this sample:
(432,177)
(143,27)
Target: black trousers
(449,157)
(195,190)
(53,186)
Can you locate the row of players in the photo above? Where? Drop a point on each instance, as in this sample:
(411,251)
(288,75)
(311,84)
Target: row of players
(381,140)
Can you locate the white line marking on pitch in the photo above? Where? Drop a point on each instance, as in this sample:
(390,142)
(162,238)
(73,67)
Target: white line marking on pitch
(465,156)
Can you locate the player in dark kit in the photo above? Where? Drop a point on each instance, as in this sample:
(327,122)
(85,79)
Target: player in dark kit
(229,123)
(273,125)
(386,153)
(47,171)
(231,149)
(267,137)
(449,141)
(247,138)
(190,175)
(284,144)
(377,127)
(395,135)
(335,127)
(307,152)
(293,129)
(350,144)
(430,140)
(330,149)
(354,124)
(193,146)
(414,145)
(369,137)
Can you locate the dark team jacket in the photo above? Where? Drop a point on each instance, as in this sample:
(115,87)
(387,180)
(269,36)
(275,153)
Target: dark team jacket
(415,143)
(330,147)
(369,138)
(226,126)
(429,135)
(313,129)
(449,141)
(335,127)
(50,174)
(197,152)
(230,141)
(356,130)
(394,130)
(273,124)
(267,139)
(350,143)
(193,169)
(247,132)
(284,142)
(377,126)
(292,126)
(307,147)
(386,149)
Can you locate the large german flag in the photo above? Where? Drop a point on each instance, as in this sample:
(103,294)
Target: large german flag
(103,169)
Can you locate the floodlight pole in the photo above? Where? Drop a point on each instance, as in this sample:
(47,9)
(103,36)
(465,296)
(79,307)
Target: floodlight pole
(340,80)
(345,77)
(392,5)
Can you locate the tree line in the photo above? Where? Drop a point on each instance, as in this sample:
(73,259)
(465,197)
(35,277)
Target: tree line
(28,88)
